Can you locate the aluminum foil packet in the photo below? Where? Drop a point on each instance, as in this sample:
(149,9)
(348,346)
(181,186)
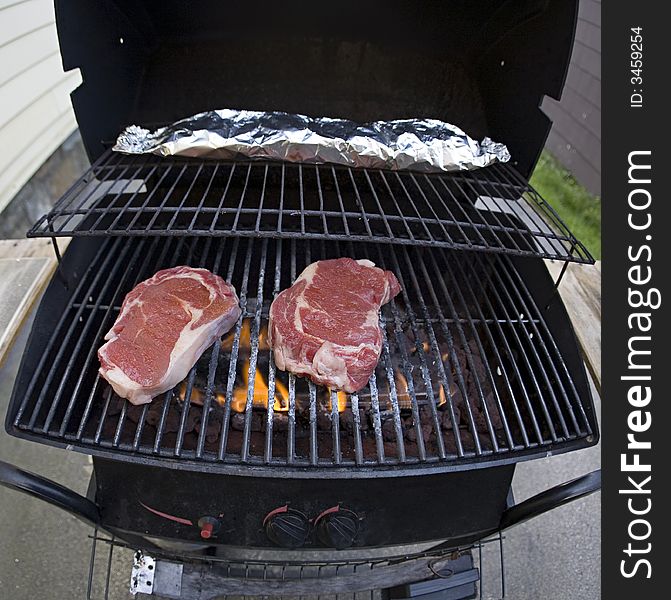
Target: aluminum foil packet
(425,145)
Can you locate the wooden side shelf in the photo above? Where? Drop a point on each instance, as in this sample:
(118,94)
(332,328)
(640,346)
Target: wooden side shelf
(26,266)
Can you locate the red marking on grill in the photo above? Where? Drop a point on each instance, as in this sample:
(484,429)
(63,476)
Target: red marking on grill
(167,516)
(277,511)
(328,511)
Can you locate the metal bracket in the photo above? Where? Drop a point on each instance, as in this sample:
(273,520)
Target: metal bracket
(59,260)
(555,290)
(561,274)
(142,574)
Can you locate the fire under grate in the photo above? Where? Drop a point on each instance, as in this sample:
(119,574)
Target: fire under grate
(471,369)
(491,209)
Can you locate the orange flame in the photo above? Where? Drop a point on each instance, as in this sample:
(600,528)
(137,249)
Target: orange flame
(341,398)
(260,397)
(426,347)
(441,396)
(245,338)
(196,394)
(342,401)
(402,390)
(263,339)
(402,387)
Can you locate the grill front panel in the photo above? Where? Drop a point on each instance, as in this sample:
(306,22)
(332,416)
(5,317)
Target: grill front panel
(466,505)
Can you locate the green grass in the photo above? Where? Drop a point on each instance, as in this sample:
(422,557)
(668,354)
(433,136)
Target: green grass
(579,209)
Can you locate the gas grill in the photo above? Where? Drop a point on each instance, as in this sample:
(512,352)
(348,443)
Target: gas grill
(480,368)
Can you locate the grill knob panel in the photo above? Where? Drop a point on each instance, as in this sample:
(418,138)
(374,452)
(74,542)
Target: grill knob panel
(338,528)
(287,528)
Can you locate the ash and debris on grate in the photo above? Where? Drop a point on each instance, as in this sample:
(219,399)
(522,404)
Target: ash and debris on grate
(473,372)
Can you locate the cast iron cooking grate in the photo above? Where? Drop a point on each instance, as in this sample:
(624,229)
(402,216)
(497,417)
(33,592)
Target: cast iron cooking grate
(471,368)
(491,209)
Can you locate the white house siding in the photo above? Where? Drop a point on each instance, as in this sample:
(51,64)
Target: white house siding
(35,112)
(575,138)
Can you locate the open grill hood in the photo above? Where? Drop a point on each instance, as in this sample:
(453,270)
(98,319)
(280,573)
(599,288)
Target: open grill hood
(484,66)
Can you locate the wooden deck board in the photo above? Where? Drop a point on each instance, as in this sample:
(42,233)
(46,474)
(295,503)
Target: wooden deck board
(26,266)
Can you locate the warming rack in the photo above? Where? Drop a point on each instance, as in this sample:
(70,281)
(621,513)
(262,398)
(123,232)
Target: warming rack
(493,209)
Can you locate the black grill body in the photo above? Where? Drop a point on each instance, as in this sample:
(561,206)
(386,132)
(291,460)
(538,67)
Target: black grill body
(527,348)
(483,66)
(145,474)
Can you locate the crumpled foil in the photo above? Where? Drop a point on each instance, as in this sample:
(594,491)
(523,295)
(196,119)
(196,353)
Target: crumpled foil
(425,145)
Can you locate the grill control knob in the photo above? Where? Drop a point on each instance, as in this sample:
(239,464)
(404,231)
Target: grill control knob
(337,527)
(287,527)
(209,527)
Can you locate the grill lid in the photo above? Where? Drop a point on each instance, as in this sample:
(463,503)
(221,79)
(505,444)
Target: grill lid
(485,65)
(476,367)
(491,209)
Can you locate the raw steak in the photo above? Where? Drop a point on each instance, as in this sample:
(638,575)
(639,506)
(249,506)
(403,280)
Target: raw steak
(326,324)
(165,324)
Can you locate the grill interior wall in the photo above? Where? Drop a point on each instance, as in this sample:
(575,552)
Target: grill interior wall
(465,322)
(483,66)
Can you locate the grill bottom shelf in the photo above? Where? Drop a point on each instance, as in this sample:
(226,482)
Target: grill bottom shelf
(479,364)
(479,572)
